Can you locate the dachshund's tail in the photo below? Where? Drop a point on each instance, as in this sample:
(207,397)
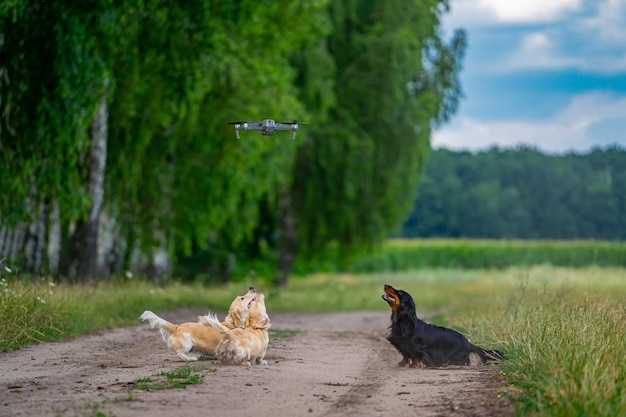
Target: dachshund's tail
(489,355)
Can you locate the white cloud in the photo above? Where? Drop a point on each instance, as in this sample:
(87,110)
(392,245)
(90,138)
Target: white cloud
(609,22)
(468,13)
(530,11)
(568,130)
(538,50)
(562,34)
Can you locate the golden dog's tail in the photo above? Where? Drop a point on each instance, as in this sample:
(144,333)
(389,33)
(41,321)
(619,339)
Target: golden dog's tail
(165,327)
(211,321)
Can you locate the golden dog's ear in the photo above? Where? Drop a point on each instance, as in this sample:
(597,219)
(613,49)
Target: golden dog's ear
(263,324)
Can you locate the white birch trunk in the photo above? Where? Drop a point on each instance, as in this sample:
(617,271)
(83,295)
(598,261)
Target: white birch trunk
(88,236)
(54,238)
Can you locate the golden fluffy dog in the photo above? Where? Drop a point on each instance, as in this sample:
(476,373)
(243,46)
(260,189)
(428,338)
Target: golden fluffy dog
(185,337)
(243,345)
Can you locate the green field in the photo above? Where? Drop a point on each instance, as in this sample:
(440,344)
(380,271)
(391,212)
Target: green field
(562,328)
(407,254)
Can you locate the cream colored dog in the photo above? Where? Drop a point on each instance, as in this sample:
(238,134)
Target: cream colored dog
(186,337)
(243,345)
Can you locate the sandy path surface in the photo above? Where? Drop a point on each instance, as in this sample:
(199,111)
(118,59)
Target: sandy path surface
(338,364)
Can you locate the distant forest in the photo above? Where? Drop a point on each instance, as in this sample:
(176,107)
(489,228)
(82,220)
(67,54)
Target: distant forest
(522,194)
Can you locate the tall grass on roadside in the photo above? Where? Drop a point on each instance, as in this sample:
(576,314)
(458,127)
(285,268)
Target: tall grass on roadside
(42,310)
(570,357)
(566,351)
(28,314)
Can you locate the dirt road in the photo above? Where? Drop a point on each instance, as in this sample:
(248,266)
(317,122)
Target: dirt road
(335,364)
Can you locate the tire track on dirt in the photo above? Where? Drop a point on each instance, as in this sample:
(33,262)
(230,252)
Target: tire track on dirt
(369,382)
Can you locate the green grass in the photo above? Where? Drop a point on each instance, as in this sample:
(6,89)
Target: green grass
(37,311)
(569,356)
(88,410)
(284,334)
(177,378)
(565,338)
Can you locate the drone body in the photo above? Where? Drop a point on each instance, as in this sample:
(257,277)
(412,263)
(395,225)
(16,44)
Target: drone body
(267,127)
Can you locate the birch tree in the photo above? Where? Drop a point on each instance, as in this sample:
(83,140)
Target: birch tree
(394,78)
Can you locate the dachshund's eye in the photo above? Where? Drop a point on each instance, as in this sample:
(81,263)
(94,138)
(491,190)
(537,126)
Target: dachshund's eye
(241,298)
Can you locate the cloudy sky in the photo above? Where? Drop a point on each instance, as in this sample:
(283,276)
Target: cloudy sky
(547,73)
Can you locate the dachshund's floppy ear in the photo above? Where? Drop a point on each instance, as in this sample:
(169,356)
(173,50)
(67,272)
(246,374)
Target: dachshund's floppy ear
(407,306)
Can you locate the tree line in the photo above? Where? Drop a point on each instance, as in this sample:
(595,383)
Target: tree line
(522,193)
(115,156)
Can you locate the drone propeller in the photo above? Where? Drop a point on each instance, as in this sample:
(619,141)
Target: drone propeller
(236,123)
(294,122)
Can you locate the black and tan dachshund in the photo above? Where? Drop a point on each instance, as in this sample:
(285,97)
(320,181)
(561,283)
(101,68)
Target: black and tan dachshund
(426,345)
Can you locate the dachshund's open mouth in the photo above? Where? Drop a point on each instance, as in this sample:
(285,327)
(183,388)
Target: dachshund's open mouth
(389,299)
(391,296)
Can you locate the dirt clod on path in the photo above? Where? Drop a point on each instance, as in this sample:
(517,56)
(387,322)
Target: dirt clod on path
(319,364)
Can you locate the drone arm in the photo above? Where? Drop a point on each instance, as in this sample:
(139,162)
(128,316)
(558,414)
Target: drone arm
(282,126)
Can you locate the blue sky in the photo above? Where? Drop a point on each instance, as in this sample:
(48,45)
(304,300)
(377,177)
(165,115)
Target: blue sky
(545,73)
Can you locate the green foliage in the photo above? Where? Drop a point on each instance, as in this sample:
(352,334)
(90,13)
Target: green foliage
(355,177)
(522,194)
(54,72)
(403,255)
(176,168)
(175,175)
(176,179)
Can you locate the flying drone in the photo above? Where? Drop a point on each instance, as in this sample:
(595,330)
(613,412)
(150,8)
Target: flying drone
(267,127)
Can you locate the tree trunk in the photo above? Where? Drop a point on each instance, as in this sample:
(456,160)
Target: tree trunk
(54,238)
(287,239)
(87,231)
(35,242)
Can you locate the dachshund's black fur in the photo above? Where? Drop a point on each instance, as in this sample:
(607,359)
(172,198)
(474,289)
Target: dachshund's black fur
(426,345)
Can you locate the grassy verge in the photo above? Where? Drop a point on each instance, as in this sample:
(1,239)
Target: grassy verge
(569,356)
(45,311)
(565,341)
